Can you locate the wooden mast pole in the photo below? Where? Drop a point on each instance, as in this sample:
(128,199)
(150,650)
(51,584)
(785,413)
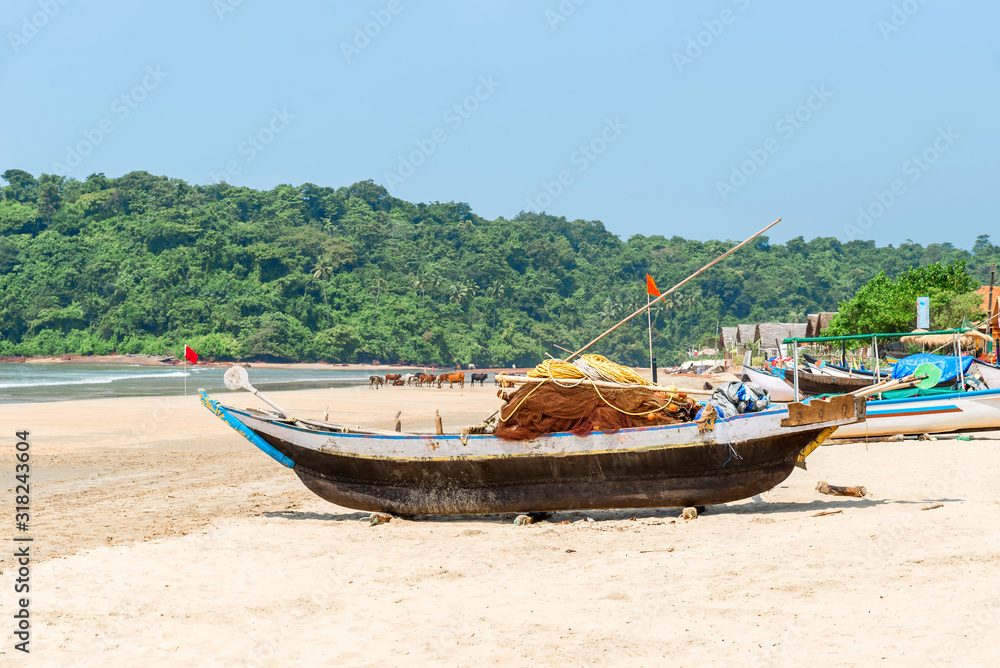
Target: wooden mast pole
(676,287)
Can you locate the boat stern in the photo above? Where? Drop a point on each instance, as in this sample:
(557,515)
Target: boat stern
(840,409)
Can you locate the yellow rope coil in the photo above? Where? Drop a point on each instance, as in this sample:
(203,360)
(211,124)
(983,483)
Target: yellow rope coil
(594,367)
(590,368)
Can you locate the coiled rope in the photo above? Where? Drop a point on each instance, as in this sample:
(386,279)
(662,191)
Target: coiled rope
(594,367)
(590,368)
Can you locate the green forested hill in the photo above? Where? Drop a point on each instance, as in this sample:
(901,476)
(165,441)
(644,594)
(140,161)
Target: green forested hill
(144,263)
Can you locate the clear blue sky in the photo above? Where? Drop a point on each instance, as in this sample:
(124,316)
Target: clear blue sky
(666,119)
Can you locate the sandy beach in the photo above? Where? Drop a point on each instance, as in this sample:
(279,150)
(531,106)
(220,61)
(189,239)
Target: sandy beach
(161,537)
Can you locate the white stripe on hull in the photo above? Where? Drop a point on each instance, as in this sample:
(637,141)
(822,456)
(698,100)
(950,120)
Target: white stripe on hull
(928,415)
(430,447)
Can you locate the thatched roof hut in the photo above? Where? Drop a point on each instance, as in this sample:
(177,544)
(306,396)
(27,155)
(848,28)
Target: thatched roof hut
(797,330)
(746,334)
(729,337)
(817,322)
(968,339)
(771,334)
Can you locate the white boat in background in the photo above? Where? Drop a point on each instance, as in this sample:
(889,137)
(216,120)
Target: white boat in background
(941,413)
(990,374)
(777,388)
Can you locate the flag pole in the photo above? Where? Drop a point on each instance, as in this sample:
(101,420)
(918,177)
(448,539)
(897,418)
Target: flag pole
(676,287)
(649,320)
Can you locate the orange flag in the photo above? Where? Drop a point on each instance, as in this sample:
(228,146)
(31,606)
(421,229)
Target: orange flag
(651,286)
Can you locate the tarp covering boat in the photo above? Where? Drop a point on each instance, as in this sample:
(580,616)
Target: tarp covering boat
(948,365)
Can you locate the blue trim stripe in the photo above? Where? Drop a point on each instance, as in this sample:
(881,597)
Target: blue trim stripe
(242,429)
(456,437)
(930,410)
(934,398)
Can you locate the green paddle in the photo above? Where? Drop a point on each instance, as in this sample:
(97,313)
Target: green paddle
(932,372)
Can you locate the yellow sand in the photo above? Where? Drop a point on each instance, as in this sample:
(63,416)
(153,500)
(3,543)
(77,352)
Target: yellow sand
(163,538)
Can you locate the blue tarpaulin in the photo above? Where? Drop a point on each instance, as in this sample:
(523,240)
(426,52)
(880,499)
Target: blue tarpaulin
(947,364)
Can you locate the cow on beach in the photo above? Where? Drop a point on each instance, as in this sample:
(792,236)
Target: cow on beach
(481,377)
(451,379)
(375,381)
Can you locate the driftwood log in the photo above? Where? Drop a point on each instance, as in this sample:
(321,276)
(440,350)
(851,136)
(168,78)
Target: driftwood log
(826,512)
(823,488)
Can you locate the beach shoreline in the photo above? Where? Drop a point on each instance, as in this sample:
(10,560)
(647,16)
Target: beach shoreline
(166,361)
(161,535)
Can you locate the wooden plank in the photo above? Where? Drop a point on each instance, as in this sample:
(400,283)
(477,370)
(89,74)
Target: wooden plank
(821,410)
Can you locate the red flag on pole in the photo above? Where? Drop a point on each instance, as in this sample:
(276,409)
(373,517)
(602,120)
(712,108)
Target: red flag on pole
(651,286)
(190,355)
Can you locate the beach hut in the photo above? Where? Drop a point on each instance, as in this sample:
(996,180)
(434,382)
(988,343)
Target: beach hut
(728,338)
(745,335)
(817,322)
(771,334)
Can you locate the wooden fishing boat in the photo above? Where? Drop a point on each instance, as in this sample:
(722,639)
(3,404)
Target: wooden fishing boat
(989,373)
(812,384)
(686,464)
(836,369)
(935,414)
(776,387)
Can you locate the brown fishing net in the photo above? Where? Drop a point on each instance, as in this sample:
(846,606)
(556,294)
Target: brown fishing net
(534,410)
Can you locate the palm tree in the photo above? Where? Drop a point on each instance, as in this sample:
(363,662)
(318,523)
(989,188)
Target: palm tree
(322,272)
(459,293)
(420,285)
(379,283)
(434,283)
(609,311)
(495,292)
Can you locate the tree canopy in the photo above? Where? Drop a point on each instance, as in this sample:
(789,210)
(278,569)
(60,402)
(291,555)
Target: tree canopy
(145,263)
(884,305)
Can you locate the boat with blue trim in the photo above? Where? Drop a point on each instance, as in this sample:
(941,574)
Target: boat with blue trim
(687,464)
(937,413)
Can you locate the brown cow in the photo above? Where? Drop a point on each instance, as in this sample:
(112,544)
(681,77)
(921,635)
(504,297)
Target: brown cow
(391,378)
(398,382)
(428,378)
(452,378)
(375,381)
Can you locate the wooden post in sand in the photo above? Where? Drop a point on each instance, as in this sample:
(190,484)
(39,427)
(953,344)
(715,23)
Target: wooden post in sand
(399,425)
(437,423)
(857,491)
